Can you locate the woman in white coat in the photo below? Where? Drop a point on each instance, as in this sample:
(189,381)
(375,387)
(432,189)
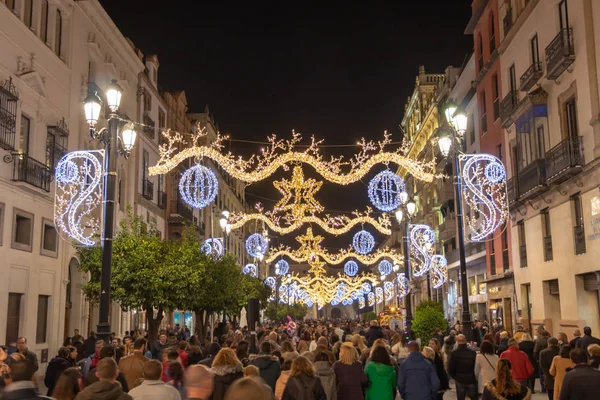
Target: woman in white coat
(485,365)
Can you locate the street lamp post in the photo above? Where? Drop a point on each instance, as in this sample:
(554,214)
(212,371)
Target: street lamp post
(409,208)
(114,144)
(451,139)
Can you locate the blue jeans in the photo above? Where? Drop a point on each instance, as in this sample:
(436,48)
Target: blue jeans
(466,389)
(542,380)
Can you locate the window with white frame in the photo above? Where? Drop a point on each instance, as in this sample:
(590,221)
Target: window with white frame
(22,230)
(49,245)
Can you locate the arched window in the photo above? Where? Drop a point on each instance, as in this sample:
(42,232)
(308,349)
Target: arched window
(58,34)
(492,34)
(44,21)
(480,59)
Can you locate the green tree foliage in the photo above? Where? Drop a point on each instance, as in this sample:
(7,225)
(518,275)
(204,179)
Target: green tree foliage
(429,316)
(369,316)
(280,313)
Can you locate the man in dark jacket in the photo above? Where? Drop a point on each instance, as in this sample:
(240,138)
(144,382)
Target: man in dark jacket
(541,343)
(107,387)
(587,339)
(213,350)
(55,367)
(373,333)
(583,381)
(576,338)
(89,345)
(546,357)
(462,368)
(268,365)
(23,385)
(29,355)
(417,378)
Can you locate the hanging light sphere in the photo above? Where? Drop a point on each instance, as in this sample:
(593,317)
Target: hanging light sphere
(282,267)
(250,269)
(351,268)
(198,186)
(495,172)
(384,190)
(270,281)
(363,242)
(385,267)
(256,245)
(212,247)
(66,171)
(366,287)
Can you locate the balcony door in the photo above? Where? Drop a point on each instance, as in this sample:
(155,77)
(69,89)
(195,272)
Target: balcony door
(563,14)
(513,78)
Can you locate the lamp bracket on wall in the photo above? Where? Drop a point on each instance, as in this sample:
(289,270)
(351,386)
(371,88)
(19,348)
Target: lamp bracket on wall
(578,182)
(547,201)
(563,190)
(533,205)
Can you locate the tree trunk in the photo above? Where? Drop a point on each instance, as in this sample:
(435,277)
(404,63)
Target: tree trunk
(153,323)
(201,323)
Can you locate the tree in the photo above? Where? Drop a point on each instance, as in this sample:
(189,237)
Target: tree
(142,276)
(295,311)
(429,316)
(369,316)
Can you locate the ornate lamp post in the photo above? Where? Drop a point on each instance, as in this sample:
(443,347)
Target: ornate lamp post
(114,144)
(225,227)
(450,142)
(403,215)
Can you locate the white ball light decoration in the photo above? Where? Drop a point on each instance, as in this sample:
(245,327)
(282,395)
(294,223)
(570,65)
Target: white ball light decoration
(363,242)
(198,186)
(256,244)
(282,267)
(385,267)
(270,281)
(250,269)
(384,190)
(351,268)
(366,287)
(495,172)
(212,247)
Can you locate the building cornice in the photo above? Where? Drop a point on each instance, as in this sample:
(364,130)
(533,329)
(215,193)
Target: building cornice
(520,21)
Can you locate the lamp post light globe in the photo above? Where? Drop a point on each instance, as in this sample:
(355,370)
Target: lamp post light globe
(92,105)
(225,213)
(411,207)
(113,96)
(403,197)
(228,229)
(223,222)
(128,136)
(445,143)
(449,112)
(399,215)
(460,122)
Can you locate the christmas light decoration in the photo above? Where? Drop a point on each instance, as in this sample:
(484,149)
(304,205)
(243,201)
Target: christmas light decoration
(198,186)
(484,195)
(363,242)
(366,288)
(379,295)
(371,299)
(282,267)
(213,247)
(351,268)
(256,245)
(439,270)
(78,195)
(280,153)
(388,288)
(403,285)
(300,193)
(422,239)
(384,191)
(385,267)
(270,281)
(251,269)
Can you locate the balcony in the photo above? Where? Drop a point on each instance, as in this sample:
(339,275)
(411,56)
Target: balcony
(532,179)
(512,190)
(507,21)
(447,229)
(8,114)
(560,54)
(564,160)
(579,236)
(162,199)
(523,255)
(31,171)
(149,126)
(507,108)
(181,208)
(531,76)
(547,248)
(148,189)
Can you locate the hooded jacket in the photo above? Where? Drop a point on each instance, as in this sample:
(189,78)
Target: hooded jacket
(382,381)
(55,367)
(223,377)
(269,367)
(325,373)
(103,390)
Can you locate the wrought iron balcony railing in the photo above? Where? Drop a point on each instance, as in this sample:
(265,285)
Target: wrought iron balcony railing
(564,160)
(532,179)
(547,248)
(560,54)
(579,236)
(8,114)
(523,255)
(182,208)
(512,191)
(31,171)
(531,76)
(162,199)
(149,126)
(148,189)
(507,107)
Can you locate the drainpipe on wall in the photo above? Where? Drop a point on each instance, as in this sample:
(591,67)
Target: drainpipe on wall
(592,62)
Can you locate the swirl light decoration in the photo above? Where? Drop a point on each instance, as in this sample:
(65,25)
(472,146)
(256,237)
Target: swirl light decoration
(198,186)
(439,271)
(366,288)
(256,244)
(484,195)
(422,239)
(371,299)
(280,153)
(213,247)
(361,302)
(351,268)
(379,294)
(385,267)
(363,242)
(282,267)
(384,190)
(403,285)
(283,294)
(388,289)
(78,192)
(250,269)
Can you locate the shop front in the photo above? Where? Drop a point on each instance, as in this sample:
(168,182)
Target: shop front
(501,300)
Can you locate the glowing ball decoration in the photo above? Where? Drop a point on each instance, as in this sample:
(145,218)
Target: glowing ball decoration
(213,247)
(351,268)
(270,281)
(385,267)
(250,269)
(366,287)
(256,245)
(363,242)
(198,186)
(384,191)
(282,267)
(495,172)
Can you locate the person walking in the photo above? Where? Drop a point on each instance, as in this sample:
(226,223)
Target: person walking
(381,375)
(152,387)
(587,339)
(558,369)
(527,346)
(132,366)
(461,367)
(583,381)
(546,357)
(485,365)
(541,342)
(350,377)
(269,365)
(107,387)
(303,384)
(226,368)
(504,386)
(521,367)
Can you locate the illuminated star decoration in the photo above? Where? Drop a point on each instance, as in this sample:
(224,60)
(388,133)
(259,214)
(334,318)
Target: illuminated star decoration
(484,195)
(300,193)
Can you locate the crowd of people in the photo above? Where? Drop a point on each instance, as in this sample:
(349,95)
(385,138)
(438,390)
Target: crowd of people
(321,360)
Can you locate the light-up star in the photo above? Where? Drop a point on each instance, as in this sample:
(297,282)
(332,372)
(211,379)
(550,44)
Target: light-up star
(298,194)
(309,243)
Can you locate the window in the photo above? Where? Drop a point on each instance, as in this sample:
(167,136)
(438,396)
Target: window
(505,260)
(58,34)
(11,4)
(24,137)
(13,321)
(2,208)
(42,319)
(500,152)
(481,283)
(496,96)
(480,59)
(513,78)
(161,119)
(492,257)
(492,34)
(578,229)
(547,234)
(522,244)
(572,129)
(483,114)
(147,101)
(28,14)
(22,234)
(44,21)
(563,14)
(472,286)
(49,239)
(535,52)
(56,147)
(145,164)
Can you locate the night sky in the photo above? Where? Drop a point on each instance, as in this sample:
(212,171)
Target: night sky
(336,72)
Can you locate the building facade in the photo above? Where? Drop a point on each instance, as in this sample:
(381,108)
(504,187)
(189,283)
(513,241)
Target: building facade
(551,114)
